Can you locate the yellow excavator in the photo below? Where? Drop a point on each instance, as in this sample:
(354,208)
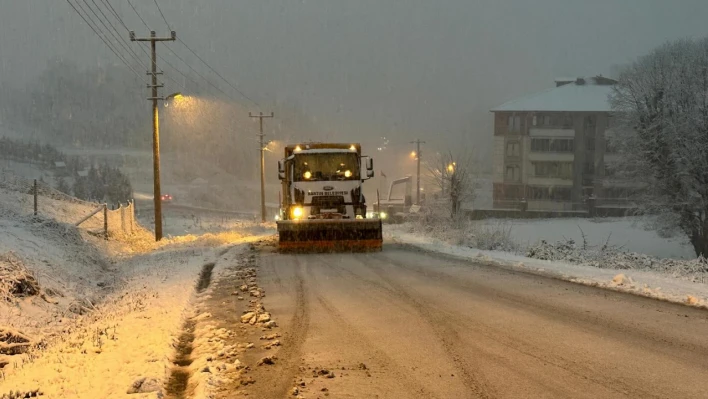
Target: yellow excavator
(323,208)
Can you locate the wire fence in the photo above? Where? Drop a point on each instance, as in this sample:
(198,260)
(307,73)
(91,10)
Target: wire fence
(99,219)
(13,182)
(114,221)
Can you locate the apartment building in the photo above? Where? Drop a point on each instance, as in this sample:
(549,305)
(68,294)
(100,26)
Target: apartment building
(550,147)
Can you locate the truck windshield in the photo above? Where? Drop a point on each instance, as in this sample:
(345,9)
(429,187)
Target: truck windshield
(326,166)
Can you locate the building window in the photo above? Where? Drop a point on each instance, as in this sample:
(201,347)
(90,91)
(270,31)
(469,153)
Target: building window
(589,167)
(557,121)
(590,122)
(514,123)
(542,121)
(513,173)
(513,149)
(543,193)
(560,170)
(590,143)
(551,145)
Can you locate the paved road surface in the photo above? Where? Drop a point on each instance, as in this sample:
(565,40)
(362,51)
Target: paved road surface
(405,324)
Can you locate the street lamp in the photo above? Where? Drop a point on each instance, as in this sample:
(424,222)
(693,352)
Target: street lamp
(176,96)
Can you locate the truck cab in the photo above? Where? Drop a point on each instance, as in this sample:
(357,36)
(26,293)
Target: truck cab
(324,181)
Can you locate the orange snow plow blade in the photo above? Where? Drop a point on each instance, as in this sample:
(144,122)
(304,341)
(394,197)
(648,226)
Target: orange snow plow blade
(330,235)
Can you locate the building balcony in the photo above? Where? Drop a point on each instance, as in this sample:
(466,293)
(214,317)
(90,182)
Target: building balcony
(551,156)
(552,132)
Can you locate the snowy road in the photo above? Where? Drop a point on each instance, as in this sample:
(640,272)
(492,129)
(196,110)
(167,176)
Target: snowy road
(404,324)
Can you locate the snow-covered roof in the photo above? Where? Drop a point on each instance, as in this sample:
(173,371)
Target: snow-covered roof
(581,96)
(59,164)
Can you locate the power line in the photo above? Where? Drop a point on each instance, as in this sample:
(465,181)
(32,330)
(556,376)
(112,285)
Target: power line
(218,74)
(198,74)
(163,15)
(113,10)
(204,62)
(96,29)
(120,57)
(138,14)
(196,55)
(116,35)
(160,57)
(143,45)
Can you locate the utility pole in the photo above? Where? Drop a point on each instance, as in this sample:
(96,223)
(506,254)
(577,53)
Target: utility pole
(260,117)
(417,142)
(157,200)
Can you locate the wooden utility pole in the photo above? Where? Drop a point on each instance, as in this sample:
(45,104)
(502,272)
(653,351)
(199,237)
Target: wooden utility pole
(261,135)
(417,142)
(157,200)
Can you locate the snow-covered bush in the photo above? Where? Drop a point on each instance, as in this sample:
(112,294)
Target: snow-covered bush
(463,232)
(607,257)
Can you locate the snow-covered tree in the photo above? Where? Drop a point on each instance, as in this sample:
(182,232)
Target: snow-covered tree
(80,188)
(456,176)
(63,186)
(661,106)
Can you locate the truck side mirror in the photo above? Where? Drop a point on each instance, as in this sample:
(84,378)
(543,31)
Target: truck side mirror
(369,165)
(369,174)
(281,170)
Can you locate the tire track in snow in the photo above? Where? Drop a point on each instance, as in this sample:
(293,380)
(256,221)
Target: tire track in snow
(522,346)
(353,335)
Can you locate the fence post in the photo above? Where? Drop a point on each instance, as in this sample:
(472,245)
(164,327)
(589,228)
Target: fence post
(35,197)
(132,215)
(122,216)
(105,221)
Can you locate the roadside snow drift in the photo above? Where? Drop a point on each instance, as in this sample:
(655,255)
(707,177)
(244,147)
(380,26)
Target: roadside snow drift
(655,284)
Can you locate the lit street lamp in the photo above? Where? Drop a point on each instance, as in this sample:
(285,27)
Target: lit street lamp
(175,96)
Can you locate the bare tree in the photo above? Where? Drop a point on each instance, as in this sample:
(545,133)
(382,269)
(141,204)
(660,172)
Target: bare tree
(456,176)
(661,104)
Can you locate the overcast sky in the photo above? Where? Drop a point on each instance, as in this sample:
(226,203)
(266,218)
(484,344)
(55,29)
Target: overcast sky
(400,68)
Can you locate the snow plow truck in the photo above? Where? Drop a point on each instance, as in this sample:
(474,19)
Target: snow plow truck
(323,208)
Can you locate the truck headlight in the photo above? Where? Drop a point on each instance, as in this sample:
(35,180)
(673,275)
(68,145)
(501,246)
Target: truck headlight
(297,212)
(383,215)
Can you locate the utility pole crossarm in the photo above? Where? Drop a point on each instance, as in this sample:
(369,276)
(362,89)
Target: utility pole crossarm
(261,135)
(152,37)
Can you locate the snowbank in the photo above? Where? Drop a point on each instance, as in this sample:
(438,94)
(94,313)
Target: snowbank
(131,336)
(109,312)
(627,233)
(646,283)
(127,338)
